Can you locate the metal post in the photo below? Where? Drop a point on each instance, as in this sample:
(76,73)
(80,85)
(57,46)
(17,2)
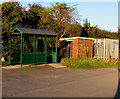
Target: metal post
(23,44)
(34,49)
(10,48)
(21,58)
(56,49)
(46,48)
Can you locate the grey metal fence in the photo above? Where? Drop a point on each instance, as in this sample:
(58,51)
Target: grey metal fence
(106,48)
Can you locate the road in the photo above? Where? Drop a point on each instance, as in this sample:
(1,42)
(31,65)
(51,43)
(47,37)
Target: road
(63,82)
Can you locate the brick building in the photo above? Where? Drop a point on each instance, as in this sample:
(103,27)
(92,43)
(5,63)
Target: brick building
(76,47)
(100,48)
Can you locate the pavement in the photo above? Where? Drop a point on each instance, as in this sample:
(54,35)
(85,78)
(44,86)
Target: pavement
(48,81)
(19,66)
(55,65)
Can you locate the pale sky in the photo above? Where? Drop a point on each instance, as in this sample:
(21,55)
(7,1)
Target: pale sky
(103,14)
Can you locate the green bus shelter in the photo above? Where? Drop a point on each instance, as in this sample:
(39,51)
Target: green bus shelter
(32,46)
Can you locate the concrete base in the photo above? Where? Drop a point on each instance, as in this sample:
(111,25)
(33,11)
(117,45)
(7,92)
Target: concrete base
(55,65)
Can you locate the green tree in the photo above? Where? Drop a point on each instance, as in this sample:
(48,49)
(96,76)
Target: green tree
(37,17)
(93,32)
(32,16)
(62,15)
(0,14)
(86,28)
(75,30)
(11,17)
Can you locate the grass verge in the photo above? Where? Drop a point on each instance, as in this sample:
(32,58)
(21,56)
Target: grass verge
(88,63)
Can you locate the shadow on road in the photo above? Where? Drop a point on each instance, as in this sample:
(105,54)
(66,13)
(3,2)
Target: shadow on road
(117,95)
(118,90)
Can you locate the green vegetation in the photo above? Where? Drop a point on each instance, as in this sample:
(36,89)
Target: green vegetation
(88,63)
(5,63)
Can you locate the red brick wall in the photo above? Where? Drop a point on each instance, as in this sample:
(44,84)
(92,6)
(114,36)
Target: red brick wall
(85,48)
(75,48)
(82,48)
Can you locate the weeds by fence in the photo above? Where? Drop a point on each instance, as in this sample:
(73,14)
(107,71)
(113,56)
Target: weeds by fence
(88,63)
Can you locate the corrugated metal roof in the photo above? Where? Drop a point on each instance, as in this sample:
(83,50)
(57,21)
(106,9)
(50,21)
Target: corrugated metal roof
(37,31)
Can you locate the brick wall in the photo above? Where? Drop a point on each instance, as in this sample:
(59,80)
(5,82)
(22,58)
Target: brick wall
(75,48)
(82,48)
(85,48)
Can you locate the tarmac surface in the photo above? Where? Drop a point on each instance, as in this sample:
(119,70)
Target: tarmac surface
(47,81)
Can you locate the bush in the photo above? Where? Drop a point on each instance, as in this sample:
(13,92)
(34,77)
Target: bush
(5,63)
(88,63)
